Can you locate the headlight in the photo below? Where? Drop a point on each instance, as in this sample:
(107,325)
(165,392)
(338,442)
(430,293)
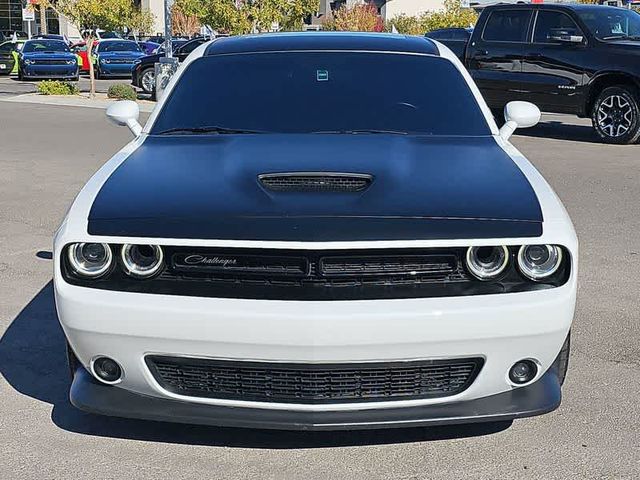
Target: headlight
(142,261)
(104,60)
(90,259)
(71,62)
(28,62)
(538,262)
(137,62)
(486,263)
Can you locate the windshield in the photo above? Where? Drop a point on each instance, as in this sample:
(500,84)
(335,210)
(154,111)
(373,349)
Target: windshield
(609,23)
(123,46)
(45,46)
(323,92)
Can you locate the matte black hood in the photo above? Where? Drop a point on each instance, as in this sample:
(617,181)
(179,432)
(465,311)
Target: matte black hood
(423,188)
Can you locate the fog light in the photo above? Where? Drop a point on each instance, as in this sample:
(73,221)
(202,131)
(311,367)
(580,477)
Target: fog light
(107,370)
(523,371)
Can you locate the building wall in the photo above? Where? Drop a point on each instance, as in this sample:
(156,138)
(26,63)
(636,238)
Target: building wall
(409,7)
(157,8)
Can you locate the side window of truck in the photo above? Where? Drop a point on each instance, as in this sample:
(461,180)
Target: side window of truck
(507,26)
(552,26)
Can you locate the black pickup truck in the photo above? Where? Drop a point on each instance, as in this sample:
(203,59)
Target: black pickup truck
(578,59)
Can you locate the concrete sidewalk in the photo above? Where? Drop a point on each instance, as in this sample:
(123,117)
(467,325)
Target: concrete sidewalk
(83,100)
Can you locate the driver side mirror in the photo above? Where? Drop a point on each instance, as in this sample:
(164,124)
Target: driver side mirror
(125,112)
(519,115)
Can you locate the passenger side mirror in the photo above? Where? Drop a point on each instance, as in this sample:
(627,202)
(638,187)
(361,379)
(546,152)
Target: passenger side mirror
(125,112)
(519,115)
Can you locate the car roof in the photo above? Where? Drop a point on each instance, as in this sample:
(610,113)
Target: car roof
(323,41)
(553,6)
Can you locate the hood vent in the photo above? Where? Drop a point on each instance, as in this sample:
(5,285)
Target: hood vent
(315,182)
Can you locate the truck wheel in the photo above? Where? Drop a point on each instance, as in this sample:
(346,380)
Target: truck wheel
(616,115)
(561,363)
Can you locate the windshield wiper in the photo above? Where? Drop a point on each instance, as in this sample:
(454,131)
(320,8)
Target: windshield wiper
(364,130)
(208,130)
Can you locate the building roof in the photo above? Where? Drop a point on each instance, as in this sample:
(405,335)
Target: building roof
(305,41)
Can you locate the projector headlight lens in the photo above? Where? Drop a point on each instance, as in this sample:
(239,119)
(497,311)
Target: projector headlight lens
(486,263)
(538,262)
(142,261)
(90,259)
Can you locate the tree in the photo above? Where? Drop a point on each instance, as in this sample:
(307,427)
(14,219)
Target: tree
(358,18)
(89,15)
(453,15)
(245,16)
(139,21)
(183,24)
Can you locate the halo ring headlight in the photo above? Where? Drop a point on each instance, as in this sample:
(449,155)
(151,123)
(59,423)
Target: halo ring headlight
(487,263)
(90,259)
(142,261)
(537,262)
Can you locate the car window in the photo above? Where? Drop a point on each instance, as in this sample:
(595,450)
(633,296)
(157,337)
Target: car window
(45,46)
(314,92)
(609,23)
(550,26)
(6,47)
(439,35)
(507,26)
(191,46)
(114,46)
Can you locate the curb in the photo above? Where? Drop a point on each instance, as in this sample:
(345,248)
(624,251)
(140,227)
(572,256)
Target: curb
(72,101)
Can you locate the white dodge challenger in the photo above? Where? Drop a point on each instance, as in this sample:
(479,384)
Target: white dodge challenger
(318,231)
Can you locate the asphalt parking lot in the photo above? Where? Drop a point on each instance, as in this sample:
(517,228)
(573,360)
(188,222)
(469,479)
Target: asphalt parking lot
(48,152)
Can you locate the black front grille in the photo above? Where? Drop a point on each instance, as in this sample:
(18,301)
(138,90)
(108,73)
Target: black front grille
(50,62)
(313,383)
(313,276)
(315,182)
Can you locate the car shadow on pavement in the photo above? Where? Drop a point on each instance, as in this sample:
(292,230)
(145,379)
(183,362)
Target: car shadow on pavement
(33,362)
(561,131)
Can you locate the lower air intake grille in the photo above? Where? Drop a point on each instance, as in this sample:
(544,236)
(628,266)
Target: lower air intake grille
(312,182)
(313,383)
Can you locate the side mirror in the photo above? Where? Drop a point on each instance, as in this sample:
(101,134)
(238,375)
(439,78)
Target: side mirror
(519,115)
(125,112)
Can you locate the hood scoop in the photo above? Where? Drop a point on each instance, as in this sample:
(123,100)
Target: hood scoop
(315,182)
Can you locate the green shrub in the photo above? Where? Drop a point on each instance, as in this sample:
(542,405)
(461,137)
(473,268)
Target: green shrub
(453,15)
(56,87)
(122,91)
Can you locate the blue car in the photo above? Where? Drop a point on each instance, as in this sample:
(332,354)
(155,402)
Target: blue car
(116,57)
(47,58)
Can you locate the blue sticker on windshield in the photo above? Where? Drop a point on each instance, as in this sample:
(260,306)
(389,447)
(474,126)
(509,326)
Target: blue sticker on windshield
(322,75)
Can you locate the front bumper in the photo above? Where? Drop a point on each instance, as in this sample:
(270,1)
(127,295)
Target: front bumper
(538,398)
(116,70)
(50,71)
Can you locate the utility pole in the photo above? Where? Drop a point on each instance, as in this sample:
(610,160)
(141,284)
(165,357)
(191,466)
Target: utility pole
(168,64)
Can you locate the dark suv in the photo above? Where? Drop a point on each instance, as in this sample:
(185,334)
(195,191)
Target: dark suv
(577,59)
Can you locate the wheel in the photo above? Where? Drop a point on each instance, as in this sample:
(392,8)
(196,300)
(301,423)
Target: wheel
(616,115)
(20,75)
(97,73)
(72,361)
(148,80)
(561,363)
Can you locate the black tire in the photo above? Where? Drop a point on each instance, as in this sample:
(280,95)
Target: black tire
(20,76)
(143,86)
(616,115)
(96,72)
(561,363)
(72,361)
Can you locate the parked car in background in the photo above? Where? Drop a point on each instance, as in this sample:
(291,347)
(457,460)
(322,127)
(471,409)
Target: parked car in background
(18,34)
(148,47)
(359,264)
(51,36)
(80,49)
(455,38)
(116,57)
(175,44)
(46,58)
(9,55)
(566,58)
(143,74)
